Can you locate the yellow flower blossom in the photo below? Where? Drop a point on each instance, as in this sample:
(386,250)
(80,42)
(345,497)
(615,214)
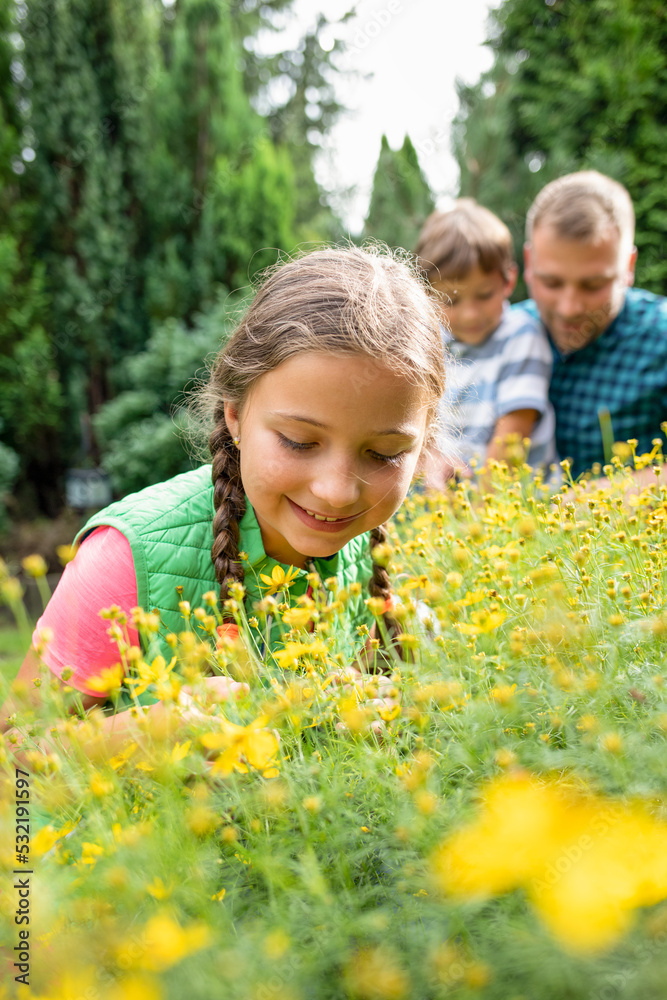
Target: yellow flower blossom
(158,890)
(46,838)
(279,579)
(90,853)
(158,673)
(374,974)
(121,758)
(289,657)
(163,943)
(109,681)
(179,751)
(481,622)
(34,566)
(503,693)
(243,747)
(298,617)
(585,862)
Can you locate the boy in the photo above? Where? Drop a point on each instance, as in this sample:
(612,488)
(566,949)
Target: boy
(499,382)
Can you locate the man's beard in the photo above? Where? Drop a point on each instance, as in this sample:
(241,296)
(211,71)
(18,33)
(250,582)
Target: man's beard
(587,329)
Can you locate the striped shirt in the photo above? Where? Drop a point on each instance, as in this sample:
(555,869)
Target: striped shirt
(509,371)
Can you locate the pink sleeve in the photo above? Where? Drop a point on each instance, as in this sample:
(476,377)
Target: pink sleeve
(101,574)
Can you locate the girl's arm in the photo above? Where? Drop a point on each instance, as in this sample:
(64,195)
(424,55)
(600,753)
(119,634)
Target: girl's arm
(112,732)
(27,693)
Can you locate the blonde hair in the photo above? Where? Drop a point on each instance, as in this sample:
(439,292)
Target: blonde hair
(468,235)
(583,206)
(348,301)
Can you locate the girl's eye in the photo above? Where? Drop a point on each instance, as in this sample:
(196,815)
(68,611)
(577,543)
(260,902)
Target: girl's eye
(485,296)
(293,445)
(388,459)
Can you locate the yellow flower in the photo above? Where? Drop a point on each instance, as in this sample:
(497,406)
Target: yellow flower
(109,681)
(90,853)
(279,579)
(505,757)
(158,890)
(66,553)
(136,987)
(293,651)
(121,758)
(585,862)
(253,745)
(312,803)
(100,786)
(298,617)
(519,830)
(42,841)
(11,590)
(158,674)
(179,751)
(481,622)
(611,742)
(201,820)
(34,565)
(389,712)
(503,694)
(163,943)
(373,974)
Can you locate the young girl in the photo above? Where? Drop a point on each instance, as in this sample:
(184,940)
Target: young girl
(322,402)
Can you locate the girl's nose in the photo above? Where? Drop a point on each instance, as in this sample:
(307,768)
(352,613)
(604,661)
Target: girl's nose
(336,485)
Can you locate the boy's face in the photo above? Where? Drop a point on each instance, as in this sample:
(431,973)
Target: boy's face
(473,305)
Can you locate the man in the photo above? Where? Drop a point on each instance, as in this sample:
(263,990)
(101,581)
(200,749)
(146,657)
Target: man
(609,340)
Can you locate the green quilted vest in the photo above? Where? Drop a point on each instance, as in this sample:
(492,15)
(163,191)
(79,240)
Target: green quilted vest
(169,530)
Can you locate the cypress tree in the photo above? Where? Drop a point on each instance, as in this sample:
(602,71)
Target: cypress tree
(401,198)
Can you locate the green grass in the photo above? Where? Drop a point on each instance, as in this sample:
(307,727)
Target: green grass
(12,651)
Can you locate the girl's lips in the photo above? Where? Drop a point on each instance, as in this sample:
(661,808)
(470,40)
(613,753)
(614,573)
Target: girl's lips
(316,523)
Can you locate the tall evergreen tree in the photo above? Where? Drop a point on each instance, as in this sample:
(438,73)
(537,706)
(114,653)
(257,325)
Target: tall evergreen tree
(575,84)
(401,198)
(205,153)
(31,399)
(81,61)
(299,120)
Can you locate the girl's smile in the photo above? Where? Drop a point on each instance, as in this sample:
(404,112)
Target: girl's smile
(321,522)
(329,445)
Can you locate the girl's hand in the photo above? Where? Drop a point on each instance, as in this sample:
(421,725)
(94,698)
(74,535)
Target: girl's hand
(218,690)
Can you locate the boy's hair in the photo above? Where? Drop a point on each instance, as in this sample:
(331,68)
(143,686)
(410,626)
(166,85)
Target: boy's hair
(348,301)
(582,206)
(468,235)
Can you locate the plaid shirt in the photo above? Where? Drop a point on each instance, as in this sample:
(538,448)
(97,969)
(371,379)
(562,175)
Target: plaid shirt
(624,371)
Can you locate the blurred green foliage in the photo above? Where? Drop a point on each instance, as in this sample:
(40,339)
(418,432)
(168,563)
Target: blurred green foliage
(401,198)
(146,432)
(575,84)
(138,183)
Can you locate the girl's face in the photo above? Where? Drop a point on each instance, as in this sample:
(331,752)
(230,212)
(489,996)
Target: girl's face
(329,446)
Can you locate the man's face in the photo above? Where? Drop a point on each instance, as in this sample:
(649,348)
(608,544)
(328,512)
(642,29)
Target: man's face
(579,287)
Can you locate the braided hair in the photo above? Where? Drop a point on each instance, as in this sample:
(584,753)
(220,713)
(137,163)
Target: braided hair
(229,504)
(345,301)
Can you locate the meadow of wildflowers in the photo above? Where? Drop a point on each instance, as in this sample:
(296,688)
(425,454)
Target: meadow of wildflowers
(488,819)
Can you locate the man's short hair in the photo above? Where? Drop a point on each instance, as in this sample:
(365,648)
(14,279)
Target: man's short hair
(583,206)
(466,236)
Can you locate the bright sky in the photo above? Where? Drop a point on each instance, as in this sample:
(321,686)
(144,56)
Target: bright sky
(407,54)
